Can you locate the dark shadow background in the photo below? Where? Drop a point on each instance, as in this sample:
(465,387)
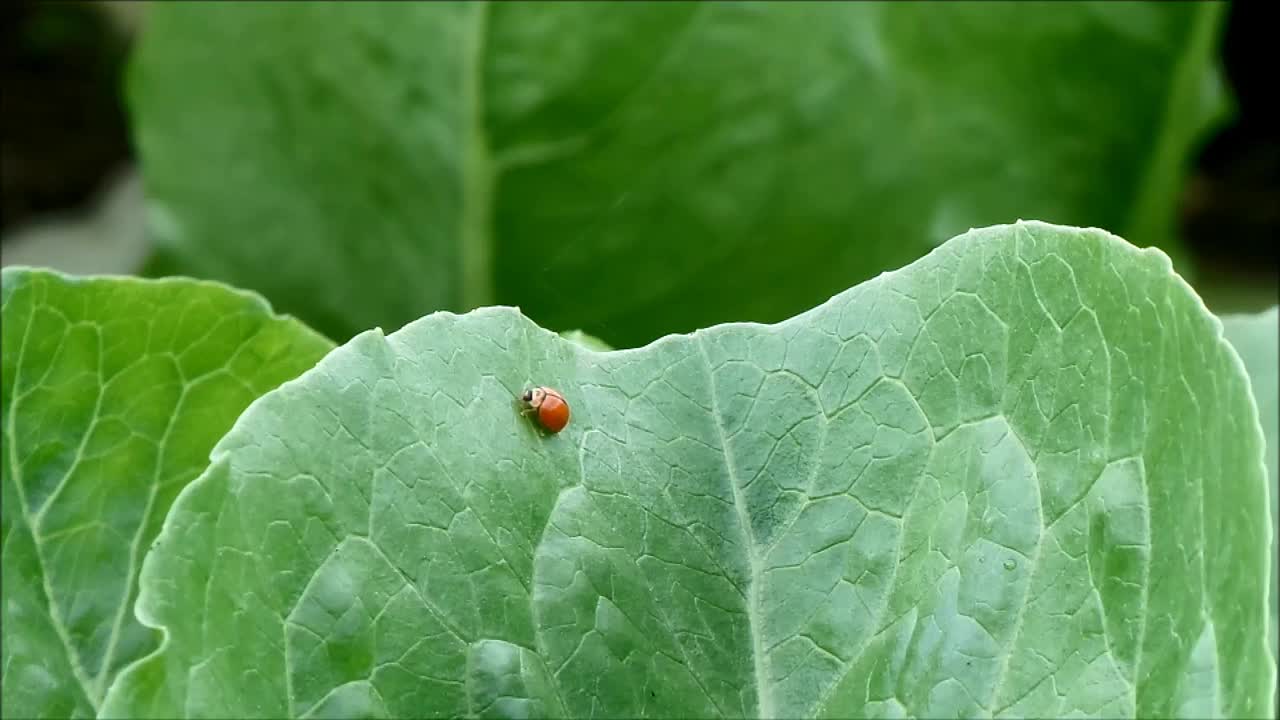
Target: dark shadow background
(65,131)
(65,134)
(1231,204)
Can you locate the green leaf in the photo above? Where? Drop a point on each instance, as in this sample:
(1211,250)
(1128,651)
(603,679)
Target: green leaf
(646,168)
(1256,337)
(589,342)
(1019,476)
(114,392)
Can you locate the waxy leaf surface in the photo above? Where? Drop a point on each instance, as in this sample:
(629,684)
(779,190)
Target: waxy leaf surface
(1022,476)
(1256,337)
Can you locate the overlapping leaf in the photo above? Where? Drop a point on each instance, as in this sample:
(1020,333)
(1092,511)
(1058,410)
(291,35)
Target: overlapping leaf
(114,392)
(1021,477)
(1256,337)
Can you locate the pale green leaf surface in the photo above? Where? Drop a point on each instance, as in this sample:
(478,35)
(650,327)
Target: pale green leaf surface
(589,342)
(1256,337)
(114,392)
(1015,477)
(636,169)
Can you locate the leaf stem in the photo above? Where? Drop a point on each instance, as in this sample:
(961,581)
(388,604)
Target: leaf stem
(476,225)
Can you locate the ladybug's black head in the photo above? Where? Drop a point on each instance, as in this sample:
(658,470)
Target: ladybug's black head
(528,396)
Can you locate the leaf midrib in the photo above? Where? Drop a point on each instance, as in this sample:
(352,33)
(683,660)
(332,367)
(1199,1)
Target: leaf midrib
(15,473)
(760,662)
(1159,173)
(476,222)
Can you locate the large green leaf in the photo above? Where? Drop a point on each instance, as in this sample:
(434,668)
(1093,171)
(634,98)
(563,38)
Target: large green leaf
(114,392)
(1257,338)
(1021,476)
(642,168)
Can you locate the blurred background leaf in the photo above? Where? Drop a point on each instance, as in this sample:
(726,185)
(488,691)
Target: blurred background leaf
(640,169)
(587,341)
(895,104)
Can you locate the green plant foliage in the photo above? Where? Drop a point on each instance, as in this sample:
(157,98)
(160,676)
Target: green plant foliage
(587,341)
(1257,338)
(1019,477)
(114,392)
(644,168)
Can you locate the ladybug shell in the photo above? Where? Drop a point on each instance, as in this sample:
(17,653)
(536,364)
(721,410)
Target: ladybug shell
(553,413)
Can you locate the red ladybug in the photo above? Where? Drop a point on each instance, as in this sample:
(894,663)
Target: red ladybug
(549,406)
